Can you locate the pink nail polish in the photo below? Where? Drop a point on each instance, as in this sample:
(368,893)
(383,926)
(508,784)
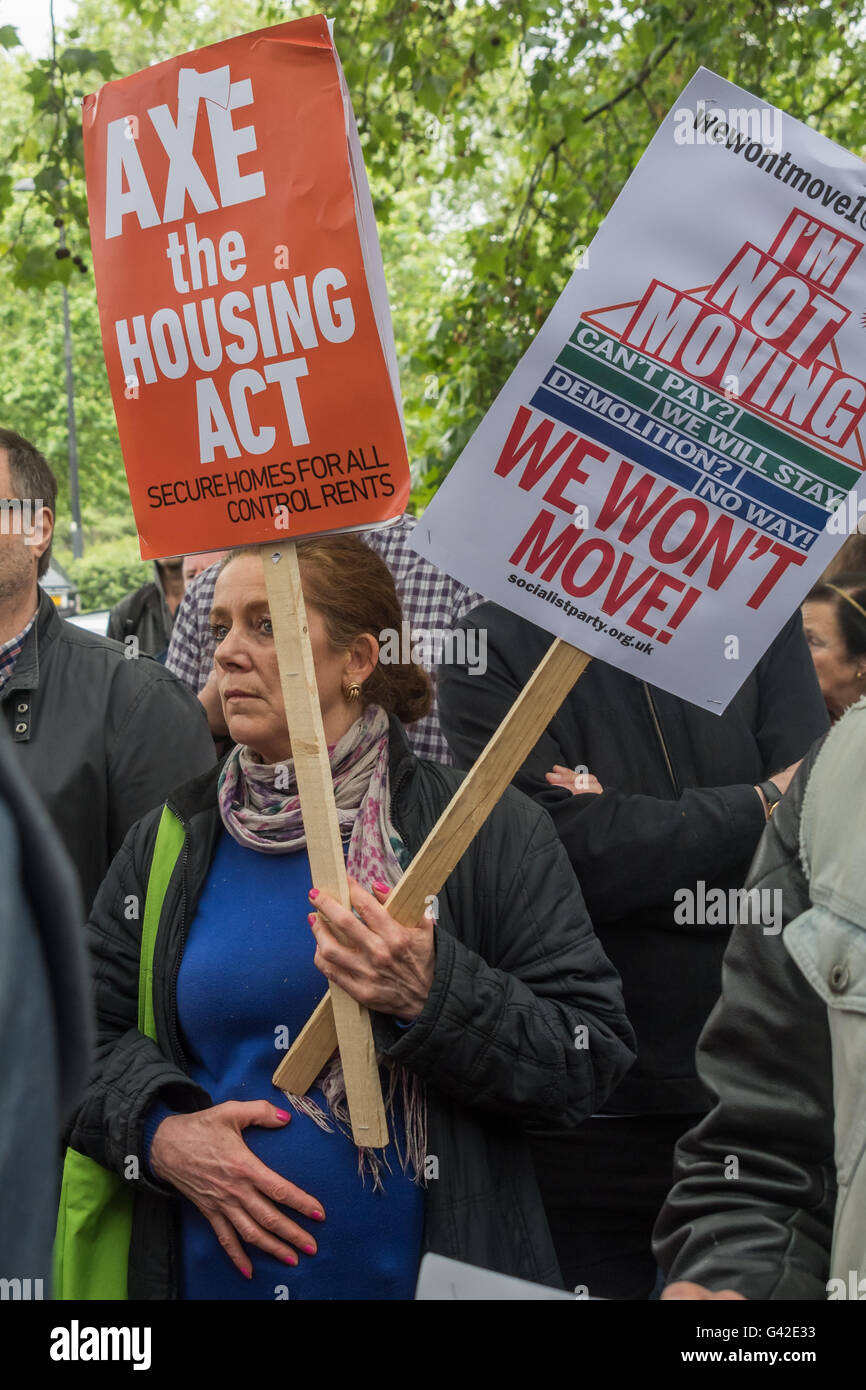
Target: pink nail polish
(309,1249)
(247,1273)
(314,893)
(317,1215)
(289,1259)
(311,917)
(380,887)
(283,1115)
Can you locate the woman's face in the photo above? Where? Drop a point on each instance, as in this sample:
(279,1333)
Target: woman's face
(246,664)
(834,667)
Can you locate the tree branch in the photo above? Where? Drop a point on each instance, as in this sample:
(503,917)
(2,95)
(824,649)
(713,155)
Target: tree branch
(649,66)
(834,96)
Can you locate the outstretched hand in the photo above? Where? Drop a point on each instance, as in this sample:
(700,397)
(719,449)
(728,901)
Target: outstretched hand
(573,780)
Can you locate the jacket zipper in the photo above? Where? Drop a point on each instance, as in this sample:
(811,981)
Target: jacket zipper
(174,1031)
(394,791)
(172,1275)
(661,738)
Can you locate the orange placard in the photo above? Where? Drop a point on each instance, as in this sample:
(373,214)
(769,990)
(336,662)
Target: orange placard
(241,296)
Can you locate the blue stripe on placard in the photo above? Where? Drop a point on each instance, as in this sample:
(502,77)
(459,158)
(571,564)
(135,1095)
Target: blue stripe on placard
(675,470)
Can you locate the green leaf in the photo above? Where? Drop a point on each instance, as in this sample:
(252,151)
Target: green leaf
(540,80)
(35,268)
(31,149)
(87,60)
(38,83)
(49,179)
(9,37)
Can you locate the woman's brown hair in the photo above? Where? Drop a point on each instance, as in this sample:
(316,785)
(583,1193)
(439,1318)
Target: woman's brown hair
(354,591)
(846,593)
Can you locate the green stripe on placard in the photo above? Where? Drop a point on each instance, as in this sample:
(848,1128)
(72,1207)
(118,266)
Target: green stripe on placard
(758,431)
(612,379)
(628,385)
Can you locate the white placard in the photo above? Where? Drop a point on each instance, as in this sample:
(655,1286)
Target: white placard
(671,464)
(443,1280)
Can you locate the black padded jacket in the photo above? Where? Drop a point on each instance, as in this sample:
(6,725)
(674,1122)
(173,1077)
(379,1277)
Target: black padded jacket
(499,1042)
(101,738)
(679,809)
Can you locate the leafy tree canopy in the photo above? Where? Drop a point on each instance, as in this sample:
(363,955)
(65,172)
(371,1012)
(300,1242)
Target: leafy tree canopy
(496,136)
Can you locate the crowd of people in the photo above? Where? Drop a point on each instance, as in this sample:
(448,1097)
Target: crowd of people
(592,1080)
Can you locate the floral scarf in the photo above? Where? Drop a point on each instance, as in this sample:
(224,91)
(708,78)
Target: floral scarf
(261,809)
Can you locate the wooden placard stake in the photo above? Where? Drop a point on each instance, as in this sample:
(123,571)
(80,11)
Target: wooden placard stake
(454,831)
(349,1021)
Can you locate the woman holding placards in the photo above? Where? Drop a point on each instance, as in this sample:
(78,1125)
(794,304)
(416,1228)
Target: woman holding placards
(496,1012)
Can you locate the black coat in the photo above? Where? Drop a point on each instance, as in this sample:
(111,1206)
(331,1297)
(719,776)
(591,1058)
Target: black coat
(45,1024)
(518,970)
(101,738)
(143,614)
(679,806)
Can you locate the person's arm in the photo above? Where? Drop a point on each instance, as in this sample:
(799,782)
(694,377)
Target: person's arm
(159,741)
(534,1029)
(463,601)
(115,625)
(707,833)
(192,646)
(190,633)
(665,843)
(130,1072)
(752,1205)
(209,699)
(635,852)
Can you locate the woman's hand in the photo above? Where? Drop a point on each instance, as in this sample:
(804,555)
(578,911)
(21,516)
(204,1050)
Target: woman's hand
(383,965)
(574,780)
(204,1156)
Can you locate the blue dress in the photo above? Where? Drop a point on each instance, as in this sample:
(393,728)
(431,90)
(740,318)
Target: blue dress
(246,980)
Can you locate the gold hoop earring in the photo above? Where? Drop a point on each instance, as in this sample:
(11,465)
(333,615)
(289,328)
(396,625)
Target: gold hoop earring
(353,693)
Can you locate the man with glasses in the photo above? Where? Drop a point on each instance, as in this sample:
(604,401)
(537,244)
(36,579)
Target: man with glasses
(102,738)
